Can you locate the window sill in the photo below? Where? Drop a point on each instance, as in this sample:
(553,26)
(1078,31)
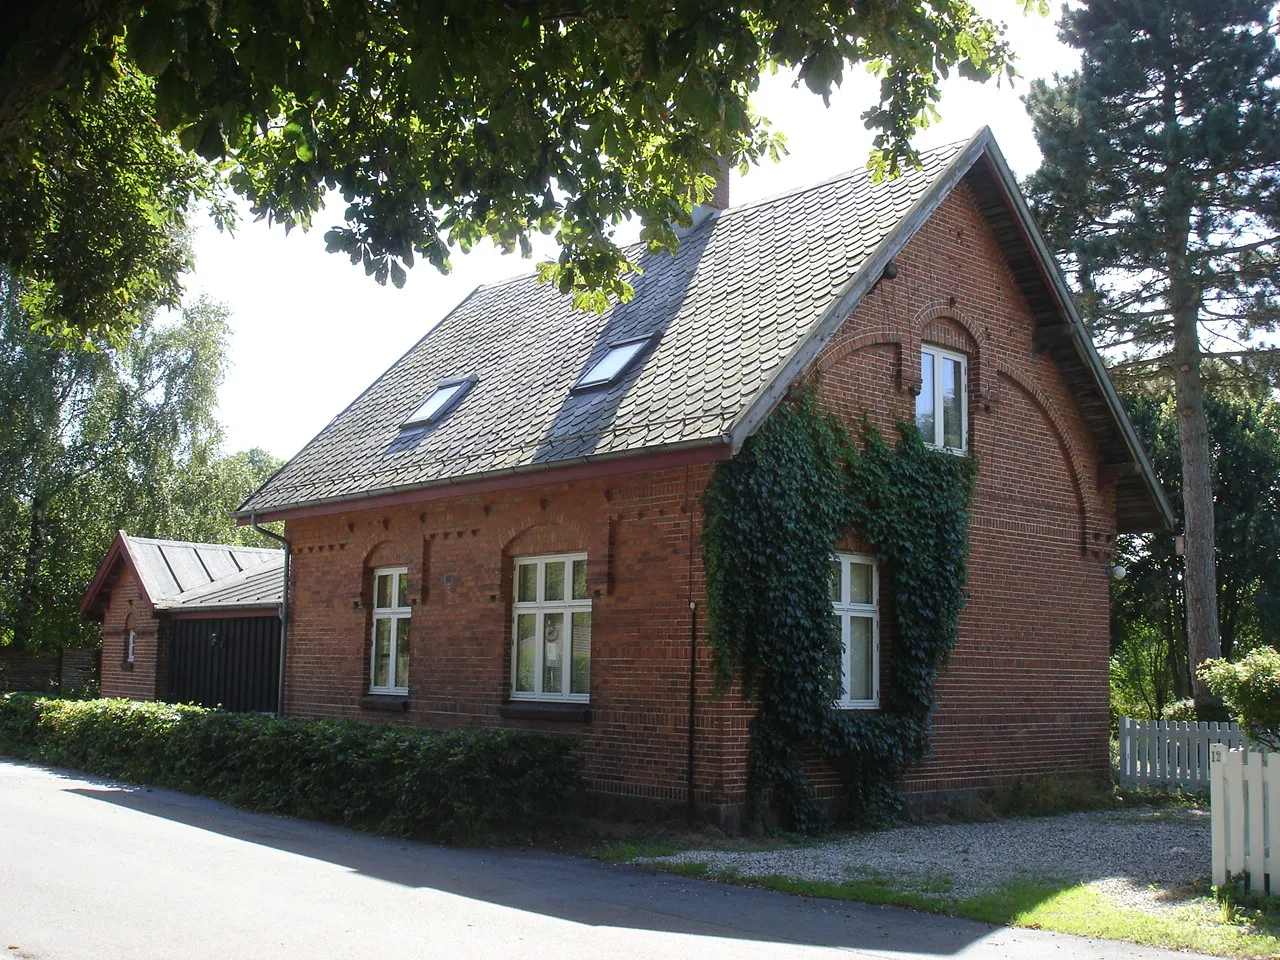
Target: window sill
(126,664)
(541,710)
(388,702)
(851,707)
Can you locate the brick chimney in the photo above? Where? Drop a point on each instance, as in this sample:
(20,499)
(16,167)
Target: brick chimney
(719,199)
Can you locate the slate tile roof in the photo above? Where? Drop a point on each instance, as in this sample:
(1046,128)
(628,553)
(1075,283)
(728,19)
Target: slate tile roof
(733,304)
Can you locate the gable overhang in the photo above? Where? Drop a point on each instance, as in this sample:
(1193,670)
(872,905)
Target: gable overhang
(1141,505)
(94,602)
(556,471)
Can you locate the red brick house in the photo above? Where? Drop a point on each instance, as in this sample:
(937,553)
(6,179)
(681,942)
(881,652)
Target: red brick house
(504,529)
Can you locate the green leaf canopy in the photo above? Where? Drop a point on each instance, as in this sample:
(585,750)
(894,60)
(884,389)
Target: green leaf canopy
(451,121)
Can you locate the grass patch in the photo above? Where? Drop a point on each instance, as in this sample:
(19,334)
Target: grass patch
(869,889)
(1084,911)
(620,851)
(623,842)
(1242,905)
(1038,903)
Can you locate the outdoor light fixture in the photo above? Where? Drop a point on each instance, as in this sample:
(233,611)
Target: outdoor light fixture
(1118,572)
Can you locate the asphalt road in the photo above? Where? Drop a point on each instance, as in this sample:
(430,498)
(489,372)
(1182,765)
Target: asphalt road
(92,869)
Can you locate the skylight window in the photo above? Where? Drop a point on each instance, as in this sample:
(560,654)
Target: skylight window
(609,368)
(447,395)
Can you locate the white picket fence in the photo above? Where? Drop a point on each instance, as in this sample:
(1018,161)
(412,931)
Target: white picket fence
(1172,752)
(1245,805)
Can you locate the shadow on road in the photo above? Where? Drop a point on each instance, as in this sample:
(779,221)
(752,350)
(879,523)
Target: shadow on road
(569,888)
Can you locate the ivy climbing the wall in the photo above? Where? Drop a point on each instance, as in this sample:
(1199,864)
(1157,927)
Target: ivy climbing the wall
(773,516)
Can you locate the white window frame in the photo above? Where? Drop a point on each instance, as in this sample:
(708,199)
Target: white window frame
(941,353)
(846,611)
(589,382)
(395,614)
(458,388)
(541,607)
(130,645)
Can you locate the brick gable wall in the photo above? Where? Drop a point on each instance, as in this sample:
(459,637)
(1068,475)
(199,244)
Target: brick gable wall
(1025,692)
(128,609)
(1023,695)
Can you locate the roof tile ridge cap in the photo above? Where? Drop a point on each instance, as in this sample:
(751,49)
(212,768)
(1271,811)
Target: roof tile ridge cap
(199,543)
(506,281)
(926,156)
(749,205)
(174,543)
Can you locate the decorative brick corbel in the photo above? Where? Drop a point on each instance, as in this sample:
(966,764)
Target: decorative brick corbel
(1099,541)
(986,393)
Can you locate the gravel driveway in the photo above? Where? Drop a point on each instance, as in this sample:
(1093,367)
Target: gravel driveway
(1135,856)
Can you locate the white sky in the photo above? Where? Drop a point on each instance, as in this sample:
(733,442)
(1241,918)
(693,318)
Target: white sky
(311,331)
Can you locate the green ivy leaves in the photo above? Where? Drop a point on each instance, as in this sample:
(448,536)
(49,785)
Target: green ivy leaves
(773,515)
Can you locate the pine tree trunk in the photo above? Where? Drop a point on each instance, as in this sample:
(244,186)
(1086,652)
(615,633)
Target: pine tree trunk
(1200,583)
(1176,646)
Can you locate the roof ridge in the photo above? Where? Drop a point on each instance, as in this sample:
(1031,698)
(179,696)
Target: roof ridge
(953,147)
(193,543)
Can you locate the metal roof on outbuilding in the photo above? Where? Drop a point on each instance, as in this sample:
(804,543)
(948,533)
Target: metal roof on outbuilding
(260,586)
(179,575)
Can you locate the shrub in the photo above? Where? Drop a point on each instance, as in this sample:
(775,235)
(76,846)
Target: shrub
(1180,710)
(454,786)
(1250,687)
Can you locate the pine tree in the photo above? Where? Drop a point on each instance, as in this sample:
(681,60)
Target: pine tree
(1160,191)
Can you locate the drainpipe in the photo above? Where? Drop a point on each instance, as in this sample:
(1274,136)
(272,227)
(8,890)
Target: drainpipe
(284,606)
(691,810)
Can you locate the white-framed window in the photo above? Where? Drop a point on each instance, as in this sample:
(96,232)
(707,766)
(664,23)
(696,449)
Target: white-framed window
(551,629)
(130,645)
(855,600)
(389,644)
(942,407)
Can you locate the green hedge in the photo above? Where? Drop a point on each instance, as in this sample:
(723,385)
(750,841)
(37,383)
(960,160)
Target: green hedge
(455,786)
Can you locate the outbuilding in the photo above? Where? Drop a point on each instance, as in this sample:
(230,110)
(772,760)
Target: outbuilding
(189,622)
